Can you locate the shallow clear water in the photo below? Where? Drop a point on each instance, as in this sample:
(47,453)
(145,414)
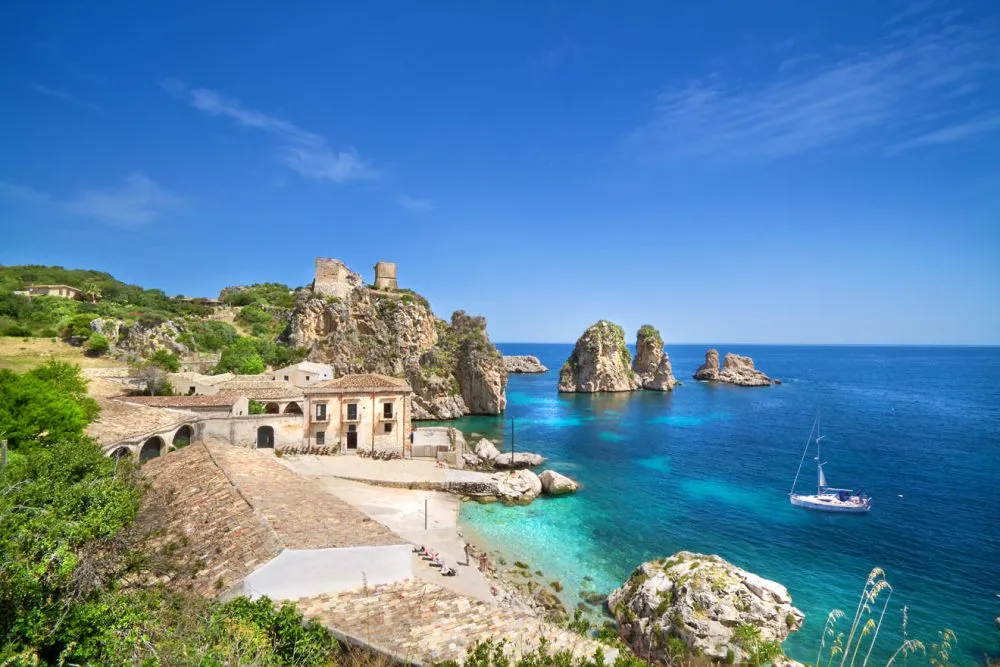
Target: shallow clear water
(708,468)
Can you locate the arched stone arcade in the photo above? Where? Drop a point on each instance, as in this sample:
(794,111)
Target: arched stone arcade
(293,408)
(183,436)
(152,448)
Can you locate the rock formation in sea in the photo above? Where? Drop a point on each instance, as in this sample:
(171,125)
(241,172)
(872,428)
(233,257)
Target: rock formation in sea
(488,456)
(453,367)
(600,361)
(554,484)
(523,363)
(651,363)
(700,600)
(736,369)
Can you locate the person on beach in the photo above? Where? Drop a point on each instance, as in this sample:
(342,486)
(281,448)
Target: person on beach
(468,552)
(483,563)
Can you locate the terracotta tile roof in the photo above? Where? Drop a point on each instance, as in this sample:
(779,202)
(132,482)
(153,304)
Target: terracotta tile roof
(206,514)
(217,400)
(122,421)
(237,508)
(364,381)
(200,378)
(260,389)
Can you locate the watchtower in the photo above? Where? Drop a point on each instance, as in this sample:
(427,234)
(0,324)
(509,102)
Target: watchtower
(333,278)
(385,275)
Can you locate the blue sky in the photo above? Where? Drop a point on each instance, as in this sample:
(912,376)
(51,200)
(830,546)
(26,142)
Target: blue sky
(821,172)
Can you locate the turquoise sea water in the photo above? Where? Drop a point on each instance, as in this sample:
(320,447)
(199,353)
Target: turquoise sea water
(708,468)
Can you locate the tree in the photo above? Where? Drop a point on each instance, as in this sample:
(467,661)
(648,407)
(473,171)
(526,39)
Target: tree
(242,357)
(151,379)
(92,291)
(44,405)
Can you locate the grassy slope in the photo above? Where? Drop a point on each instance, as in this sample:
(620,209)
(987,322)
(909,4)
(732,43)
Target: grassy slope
(21,354)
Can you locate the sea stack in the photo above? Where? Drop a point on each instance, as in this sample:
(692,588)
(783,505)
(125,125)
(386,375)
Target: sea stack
(736,369)
(652,364)
(700,600)
(599,362)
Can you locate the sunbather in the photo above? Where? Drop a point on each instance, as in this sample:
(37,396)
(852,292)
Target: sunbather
(447,571)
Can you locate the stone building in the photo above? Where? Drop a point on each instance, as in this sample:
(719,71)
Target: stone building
(359,412)
(303,373)
(63,291)
(333,278)
(385,275)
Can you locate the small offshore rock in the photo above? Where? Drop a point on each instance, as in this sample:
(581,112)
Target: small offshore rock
(518,460)
(554,484)
(523,363)
(699,599)
(736,369)
(652,364)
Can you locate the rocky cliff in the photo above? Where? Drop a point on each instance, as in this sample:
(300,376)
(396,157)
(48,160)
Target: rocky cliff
(453,367)
(599,362)
(736,369)
(700,600)
(140,340)
(652,364)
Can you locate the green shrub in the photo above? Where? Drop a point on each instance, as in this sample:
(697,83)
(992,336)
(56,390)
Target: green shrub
(78,326)
(15,331)
(97,345)
(167,360)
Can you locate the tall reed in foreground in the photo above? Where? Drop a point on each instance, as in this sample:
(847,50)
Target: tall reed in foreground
(865,625)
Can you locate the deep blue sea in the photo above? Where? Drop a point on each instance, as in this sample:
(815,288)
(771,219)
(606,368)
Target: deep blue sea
(708,468)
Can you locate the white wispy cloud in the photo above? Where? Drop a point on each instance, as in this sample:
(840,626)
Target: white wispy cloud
(306,153)
(136,201)
(63,96)
(415,204)
(903,92)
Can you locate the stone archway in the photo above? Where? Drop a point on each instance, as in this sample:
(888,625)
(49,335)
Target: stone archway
(272,409)
(183,436)
(121,453)
(265,437)
(293,408)
(150,449)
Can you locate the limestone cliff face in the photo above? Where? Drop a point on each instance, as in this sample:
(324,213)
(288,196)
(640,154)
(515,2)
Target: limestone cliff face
(652,364)
(453,367)
(138,340)
(599,362)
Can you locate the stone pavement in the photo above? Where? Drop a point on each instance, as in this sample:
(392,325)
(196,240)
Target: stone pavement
(400,473)
(417,622)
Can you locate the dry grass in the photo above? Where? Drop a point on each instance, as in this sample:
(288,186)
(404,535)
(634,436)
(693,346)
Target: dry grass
(22,354)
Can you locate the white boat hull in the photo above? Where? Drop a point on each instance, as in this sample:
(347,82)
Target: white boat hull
(831,503)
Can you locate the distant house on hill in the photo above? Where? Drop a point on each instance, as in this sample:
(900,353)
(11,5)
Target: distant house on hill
(303,373)
(63,291)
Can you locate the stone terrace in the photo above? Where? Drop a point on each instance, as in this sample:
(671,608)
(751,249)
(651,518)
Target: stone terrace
(416,622)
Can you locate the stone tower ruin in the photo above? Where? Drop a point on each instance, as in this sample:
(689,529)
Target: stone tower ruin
(385,275)
(333,278)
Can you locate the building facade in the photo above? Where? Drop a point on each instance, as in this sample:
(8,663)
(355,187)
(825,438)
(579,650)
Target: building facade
(304,373)
(63,291)
(367,412)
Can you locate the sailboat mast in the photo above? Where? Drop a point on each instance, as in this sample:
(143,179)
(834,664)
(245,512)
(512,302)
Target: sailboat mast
(803,459)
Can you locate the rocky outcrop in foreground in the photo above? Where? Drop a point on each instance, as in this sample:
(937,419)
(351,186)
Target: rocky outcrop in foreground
(523,363)
(700,600)
(736,369)
(488,456)
(599,362)
(453,367)
(652,364)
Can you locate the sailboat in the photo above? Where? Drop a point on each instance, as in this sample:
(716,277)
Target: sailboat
(827,498)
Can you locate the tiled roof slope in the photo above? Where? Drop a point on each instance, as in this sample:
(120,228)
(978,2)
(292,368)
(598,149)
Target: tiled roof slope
(303,515)
(216,401)
(363,381)
(120,421)
(206,514)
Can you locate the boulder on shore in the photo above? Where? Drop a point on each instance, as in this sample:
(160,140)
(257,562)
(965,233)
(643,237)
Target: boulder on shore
(736,369)
(600,361)
(699,599)
(518,487)
(524,363)
(517,460)
(554,484)
(486,450)
(652,364)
